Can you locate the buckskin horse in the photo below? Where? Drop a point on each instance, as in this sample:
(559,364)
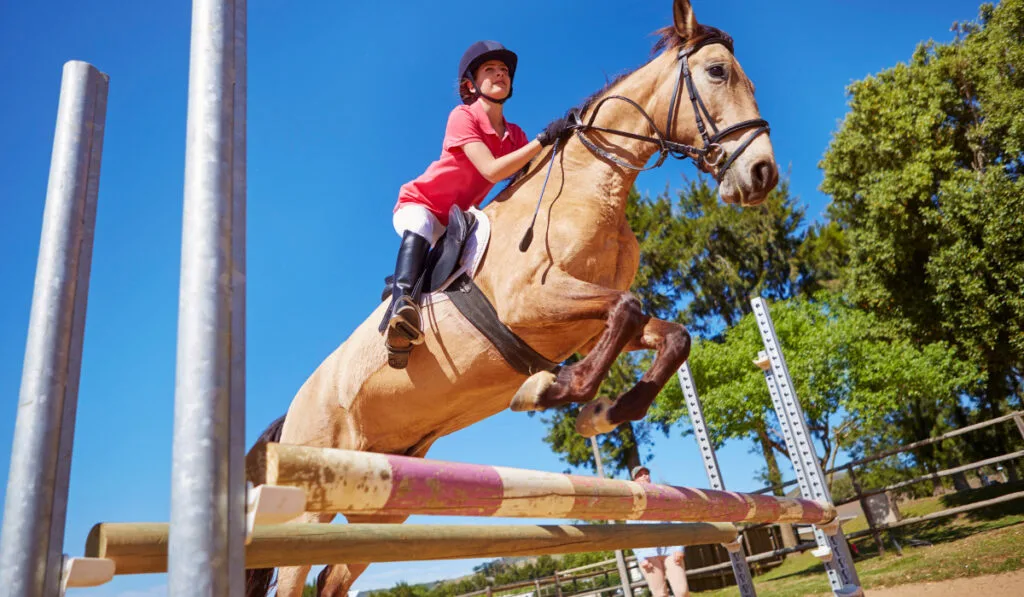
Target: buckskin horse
(567,292)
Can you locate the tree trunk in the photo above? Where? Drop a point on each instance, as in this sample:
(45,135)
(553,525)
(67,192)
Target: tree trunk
(632,453)
(789,538)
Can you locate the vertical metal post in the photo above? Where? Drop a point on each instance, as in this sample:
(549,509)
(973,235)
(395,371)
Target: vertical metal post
(833,549)
(206,541)
(32,539)
(236,440)
(620,560)
(737,556)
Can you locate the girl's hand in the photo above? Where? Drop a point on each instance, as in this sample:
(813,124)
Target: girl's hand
(557,129)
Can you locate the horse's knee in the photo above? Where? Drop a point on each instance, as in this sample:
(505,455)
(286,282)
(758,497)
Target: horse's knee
(679,341)
(627,311)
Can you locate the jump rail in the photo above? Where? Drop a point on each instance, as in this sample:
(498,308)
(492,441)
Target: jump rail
(142,548)
(354,482)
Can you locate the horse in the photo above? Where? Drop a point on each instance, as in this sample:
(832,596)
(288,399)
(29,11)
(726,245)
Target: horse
(566,293)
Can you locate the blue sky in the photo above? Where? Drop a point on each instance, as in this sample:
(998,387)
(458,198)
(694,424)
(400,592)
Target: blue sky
(347,100)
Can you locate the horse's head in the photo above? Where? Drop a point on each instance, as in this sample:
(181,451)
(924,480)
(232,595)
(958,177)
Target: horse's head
(708,103)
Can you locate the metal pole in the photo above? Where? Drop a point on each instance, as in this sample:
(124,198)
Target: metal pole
(31,542)
(833,549)
(620,560)
(206,541)
(737,557)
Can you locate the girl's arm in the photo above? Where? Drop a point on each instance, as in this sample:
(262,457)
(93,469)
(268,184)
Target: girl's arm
(497,169)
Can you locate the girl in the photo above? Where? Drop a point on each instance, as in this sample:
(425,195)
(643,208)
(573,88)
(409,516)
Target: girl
(480,148)
(660,563)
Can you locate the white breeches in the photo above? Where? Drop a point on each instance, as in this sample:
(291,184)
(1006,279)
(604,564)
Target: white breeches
(418,219)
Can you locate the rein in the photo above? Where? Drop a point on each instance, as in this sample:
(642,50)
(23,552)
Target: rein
(711,157)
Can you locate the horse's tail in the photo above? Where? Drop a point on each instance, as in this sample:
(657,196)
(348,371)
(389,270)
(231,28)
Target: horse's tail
(258,582)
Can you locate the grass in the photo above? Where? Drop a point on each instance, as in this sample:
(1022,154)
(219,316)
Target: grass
(985,541)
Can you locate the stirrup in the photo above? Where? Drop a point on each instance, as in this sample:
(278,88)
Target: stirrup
(402,330)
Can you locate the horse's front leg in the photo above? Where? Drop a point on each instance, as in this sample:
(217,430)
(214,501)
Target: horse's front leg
(570,299)
(671,342)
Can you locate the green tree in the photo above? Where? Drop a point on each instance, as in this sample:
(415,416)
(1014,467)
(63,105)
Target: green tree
(722,254)
(849,373)
(925,179)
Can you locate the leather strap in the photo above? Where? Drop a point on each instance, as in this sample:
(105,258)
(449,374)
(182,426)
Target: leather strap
(471,302)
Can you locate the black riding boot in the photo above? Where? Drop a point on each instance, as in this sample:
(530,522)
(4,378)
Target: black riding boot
(404,329)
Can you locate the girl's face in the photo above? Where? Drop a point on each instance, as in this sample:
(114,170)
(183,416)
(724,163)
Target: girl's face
(643,477)
(492,79)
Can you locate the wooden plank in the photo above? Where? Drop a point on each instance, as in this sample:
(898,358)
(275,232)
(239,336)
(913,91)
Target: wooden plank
(141,548)
(942,514)
(945,473)
(1016,416)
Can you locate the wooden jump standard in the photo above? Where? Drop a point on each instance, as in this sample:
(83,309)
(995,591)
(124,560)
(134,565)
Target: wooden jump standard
(354,482)
(141,548)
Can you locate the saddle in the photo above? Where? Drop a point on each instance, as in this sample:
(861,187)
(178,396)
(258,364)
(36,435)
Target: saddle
(443,261)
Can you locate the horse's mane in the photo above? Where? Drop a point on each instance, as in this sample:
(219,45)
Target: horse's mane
(668,40)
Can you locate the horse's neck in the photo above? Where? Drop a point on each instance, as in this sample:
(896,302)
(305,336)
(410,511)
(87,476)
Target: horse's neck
(601,185)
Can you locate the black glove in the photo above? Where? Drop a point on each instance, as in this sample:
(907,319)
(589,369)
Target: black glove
(559,128)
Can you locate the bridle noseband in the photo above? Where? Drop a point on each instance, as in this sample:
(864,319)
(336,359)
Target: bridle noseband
(709,158)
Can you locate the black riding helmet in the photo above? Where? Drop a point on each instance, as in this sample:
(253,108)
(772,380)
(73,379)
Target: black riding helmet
(479,53)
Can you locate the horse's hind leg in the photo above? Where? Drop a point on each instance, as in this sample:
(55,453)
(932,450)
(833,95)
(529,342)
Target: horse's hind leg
(671,342)
(336,580)
(292,580)
(573,300)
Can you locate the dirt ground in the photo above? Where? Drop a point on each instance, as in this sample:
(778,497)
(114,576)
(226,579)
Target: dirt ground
(1009,584)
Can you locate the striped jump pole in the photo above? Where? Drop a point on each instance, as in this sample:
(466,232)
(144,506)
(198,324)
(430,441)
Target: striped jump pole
(354,482)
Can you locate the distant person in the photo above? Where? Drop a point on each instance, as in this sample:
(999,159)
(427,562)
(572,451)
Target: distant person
(660,563)
(479,149)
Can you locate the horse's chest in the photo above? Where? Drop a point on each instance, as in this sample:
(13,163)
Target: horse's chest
(608,260)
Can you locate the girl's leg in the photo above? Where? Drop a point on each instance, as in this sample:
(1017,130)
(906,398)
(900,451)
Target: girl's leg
(653,570)
(419,230)
(675,571)
(417,219)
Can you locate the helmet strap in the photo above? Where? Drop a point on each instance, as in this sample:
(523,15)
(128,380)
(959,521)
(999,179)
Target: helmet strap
(478,94)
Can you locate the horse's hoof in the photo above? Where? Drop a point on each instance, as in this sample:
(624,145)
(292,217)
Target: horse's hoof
(528,394)
(593,418)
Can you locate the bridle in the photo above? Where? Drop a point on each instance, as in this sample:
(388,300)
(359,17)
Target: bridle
(708,158)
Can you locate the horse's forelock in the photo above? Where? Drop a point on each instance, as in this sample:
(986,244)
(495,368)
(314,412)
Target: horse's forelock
(669,38)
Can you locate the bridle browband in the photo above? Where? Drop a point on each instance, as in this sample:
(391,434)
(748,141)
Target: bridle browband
(708,158)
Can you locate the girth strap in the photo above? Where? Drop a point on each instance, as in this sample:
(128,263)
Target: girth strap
(472,303)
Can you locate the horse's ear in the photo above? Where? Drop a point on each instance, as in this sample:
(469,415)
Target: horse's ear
(685,22)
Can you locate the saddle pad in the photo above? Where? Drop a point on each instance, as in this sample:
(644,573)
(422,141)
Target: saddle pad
(469,261)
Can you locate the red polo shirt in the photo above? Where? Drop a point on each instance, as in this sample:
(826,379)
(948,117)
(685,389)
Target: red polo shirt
(452,179)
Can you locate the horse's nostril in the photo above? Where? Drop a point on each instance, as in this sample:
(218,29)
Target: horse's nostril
(763,174)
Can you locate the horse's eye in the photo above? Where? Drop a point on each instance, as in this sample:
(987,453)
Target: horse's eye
(717,71)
